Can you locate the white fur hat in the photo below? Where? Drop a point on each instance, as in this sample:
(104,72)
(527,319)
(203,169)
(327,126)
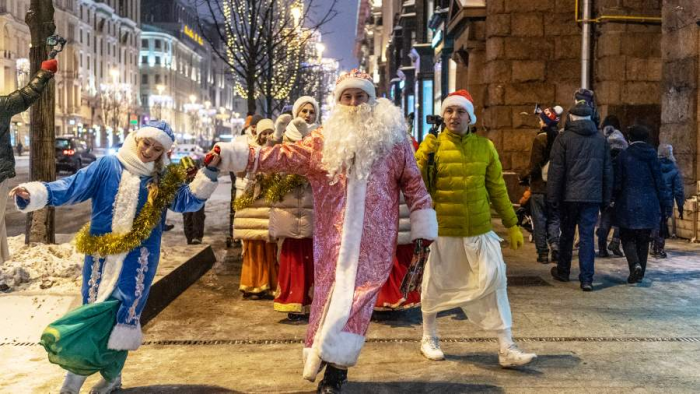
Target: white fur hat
(460,98)
(355,79)
(300,103)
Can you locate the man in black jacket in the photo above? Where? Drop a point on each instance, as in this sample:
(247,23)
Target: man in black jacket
(10,105)
(580,181)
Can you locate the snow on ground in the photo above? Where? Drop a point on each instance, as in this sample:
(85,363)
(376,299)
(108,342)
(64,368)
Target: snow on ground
(40,267)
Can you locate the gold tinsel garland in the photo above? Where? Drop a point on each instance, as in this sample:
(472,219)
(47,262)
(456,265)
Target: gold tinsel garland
(145,222)
(253,192)
(282,185)
(273,187)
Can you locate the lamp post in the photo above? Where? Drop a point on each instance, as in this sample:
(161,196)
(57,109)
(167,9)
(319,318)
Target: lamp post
(158,102)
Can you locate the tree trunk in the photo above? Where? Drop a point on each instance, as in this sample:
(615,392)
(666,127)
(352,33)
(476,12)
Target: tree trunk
(40,224)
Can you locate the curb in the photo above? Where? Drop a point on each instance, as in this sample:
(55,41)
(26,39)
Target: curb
(168,288)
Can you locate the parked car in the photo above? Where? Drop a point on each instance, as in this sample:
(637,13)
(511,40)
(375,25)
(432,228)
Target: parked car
(195,152)
(72,154)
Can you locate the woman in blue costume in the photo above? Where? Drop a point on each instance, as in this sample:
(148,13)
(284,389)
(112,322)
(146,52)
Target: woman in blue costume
(129,194)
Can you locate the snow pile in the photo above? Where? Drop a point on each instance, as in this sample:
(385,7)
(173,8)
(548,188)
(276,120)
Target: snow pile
(40,266)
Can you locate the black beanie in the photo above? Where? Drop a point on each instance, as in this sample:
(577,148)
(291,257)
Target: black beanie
(581,109)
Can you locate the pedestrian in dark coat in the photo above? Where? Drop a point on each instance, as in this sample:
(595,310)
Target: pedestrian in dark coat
(640,199)
(675,192)
(618,143)
(10,105)
(579,183)
(545,219)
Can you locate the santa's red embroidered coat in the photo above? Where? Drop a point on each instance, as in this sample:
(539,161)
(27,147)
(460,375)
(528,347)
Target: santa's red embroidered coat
(355,234)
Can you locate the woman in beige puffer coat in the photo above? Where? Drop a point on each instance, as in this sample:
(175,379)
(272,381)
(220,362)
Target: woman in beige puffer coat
(291,220)
(251,223)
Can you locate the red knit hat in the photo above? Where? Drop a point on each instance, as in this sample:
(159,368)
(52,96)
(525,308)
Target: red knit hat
(463,99)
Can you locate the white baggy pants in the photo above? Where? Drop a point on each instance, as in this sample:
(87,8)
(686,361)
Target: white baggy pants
(468,273)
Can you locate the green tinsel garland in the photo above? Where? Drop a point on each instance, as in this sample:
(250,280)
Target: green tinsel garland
(145,222)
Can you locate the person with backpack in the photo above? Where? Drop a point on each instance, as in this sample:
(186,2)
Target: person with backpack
(545,220)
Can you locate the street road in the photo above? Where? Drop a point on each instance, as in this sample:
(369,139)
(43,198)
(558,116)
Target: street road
(68,219)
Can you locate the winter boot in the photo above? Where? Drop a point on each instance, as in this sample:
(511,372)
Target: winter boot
(662,253)
(107,386)
(333,380)
(543,257)
(555,256)
(635,275)
(72,383)
(430,348)
(514,357)
(614,247)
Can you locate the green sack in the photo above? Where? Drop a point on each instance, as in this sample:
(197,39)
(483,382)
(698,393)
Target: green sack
(77,342)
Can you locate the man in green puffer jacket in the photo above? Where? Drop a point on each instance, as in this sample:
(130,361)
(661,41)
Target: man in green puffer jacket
(465,268)
(10,105)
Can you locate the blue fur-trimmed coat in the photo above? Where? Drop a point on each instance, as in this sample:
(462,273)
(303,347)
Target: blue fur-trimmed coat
(117,197)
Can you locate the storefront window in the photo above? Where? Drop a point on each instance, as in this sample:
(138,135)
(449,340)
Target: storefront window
(426,106)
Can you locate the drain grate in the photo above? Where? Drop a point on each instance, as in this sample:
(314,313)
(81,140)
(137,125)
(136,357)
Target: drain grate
(262,342)
(527,281)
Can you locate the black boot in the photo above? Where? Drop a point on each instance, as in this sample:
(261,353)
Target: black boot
(555,256)
(333,380)
(543,257)
(614,247)
(661,253)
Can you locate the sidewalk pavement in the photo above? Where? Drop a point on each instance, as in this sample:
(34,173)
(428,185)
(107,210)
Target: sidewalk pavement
(617,339)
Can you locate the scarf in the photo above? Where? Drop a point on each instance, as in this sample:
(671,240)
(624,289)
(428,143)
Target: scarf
(294,135)
(130,160)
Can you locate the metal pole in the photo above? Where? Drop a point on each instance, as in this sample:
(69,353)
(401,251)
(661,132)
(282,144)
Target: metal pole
(586,45)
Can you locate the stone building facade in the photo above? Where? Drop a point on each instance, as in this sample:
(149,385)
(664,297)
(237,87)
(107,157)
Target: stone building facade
(513,54)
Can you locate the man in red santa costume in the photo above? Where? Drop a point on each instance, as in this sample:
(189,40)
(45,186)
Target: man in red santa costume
(357,164)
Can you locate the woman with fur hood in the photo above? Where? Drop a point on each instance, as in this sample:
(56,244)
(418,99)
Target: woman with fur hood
(292,217)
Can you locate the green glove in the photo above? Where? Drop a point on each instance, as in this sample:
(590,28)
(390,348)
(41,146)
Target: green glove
(431,143)
(515,237)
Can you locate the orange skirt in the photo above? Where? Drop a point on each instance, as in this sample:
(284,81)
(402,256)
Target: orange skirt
(390,297)
(259,272)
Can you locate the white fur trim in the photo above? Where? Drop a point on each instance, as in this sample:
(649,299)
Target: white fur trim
(357,83)
(300,103)
(157,134)
(125,337)
(331,344)
(234,155)
(125,203)
(123,215)
(459,101)
(38,196)
(424,224)
(202,187)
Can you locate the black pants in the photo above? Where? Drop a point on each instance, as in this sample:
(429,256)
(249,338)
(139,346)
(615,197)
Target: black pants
(194,224)
(635,243)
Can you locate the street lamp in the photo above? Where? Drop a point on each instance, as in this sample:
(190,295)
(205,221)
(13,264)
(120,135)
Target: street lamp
(159,100)
(115,75)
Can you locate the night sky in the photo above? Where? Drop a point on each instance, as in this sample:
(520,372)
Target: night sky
(339,35)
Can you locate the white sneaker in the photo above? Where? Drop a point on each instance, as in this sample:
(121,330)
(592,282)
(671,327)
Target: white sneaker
(430,347)
(106,387)
(514,357)
(72,383)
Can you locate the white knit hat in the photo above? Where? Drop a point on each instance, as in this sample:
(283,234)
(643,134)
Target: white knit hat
(463,99)
(265,124)
(301,101)
(355,79)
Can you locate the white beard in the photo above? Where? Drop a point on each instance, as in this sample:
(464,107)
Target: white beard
(355,137)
